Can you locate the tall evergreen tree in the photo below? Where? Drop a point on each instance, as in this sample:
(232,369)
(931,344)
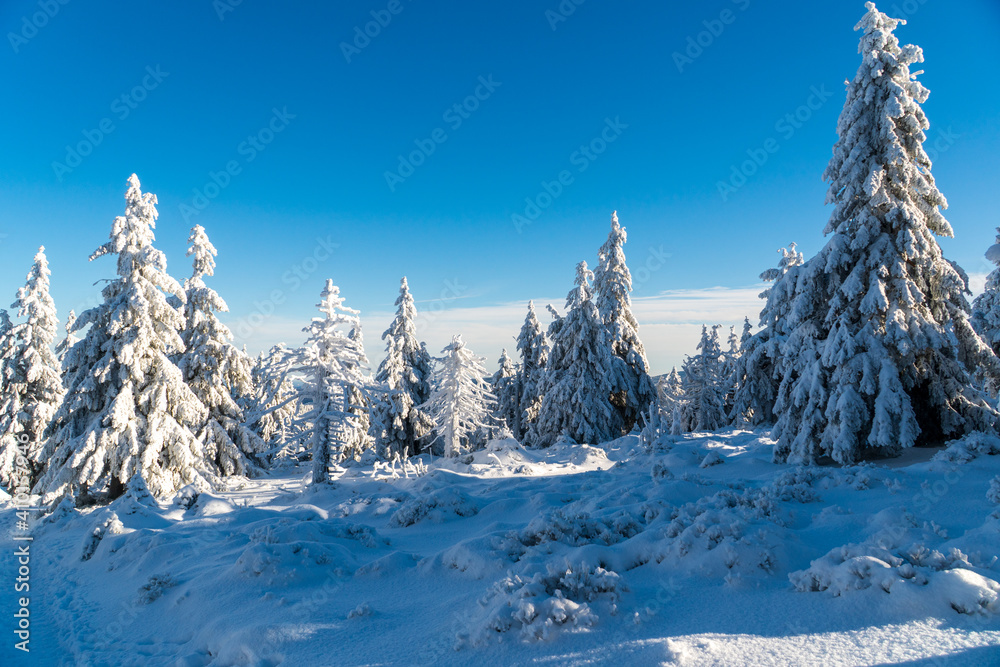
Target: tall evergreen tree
(335,384)
(576,389)
(128,414)
(730,360)
(32,387)
(632,388)
(880,348)
(704,386)
(461,402)
(671,400)
(400,425)
(271,408)
(68,341)
(505,387)
(217,371)
(534,348)
(756,370)
(986,306)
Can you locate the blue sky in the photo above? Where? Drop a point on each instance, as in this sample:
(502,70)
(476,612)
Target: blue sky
(178,91)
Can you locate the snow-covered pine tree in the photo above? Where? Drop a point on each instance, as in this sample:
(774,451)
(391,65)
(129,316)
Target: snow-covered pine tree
(334,383)
(632,388)
(534,348)
(461,402)
(576,389)
(986,306)
(128,415)
(505,383)
(756,374)
(32,387)
(67,343)
(271,409)
(670,390)
(217,371)
(730,359)
(362,396)
(704,386)
(880,350)
(399,425)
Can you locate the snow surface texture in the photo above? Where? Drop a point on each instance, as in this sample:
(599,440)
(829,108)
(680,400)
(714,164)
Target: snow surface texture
(703,552)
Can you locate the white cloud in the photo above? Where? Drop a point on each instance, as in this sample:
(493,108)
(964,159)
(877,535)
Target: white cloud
(670,323)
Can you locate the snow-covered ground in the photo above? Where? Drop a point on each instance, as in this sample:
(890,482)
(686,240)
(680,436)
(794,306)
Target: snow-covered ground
(700,553)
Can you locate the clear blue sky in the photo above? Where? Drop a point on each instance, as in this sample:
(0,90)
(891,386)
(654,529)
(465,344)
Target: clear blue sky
(323,174)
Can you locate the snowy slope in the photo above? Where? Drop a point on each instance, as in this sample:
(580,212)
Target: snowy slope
(567,556)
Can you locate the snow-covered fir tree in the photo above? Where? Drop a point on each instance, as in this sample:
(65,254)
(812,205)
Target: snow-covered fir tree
(361,398)
(69,340)
(756,373)
(506,385)
(32,387)
(632,388)
(335,385)
(879,346)
(272,407)
(986,306)
(576,389)
(217,371)
(461,403)
(704,384)
(128,416)
(665,410)
(730,359)
(670,392)
(534,349)
(400,426)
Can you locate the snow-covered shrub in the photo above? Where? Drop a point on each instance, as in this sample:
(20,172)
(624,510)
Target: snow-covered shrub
(153,589)
(107,522)
(438,506)
(711,459)
(537,606)
(573,528)
(993,494)
(362,610)
(661,472)
(970,447)
(946,578)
